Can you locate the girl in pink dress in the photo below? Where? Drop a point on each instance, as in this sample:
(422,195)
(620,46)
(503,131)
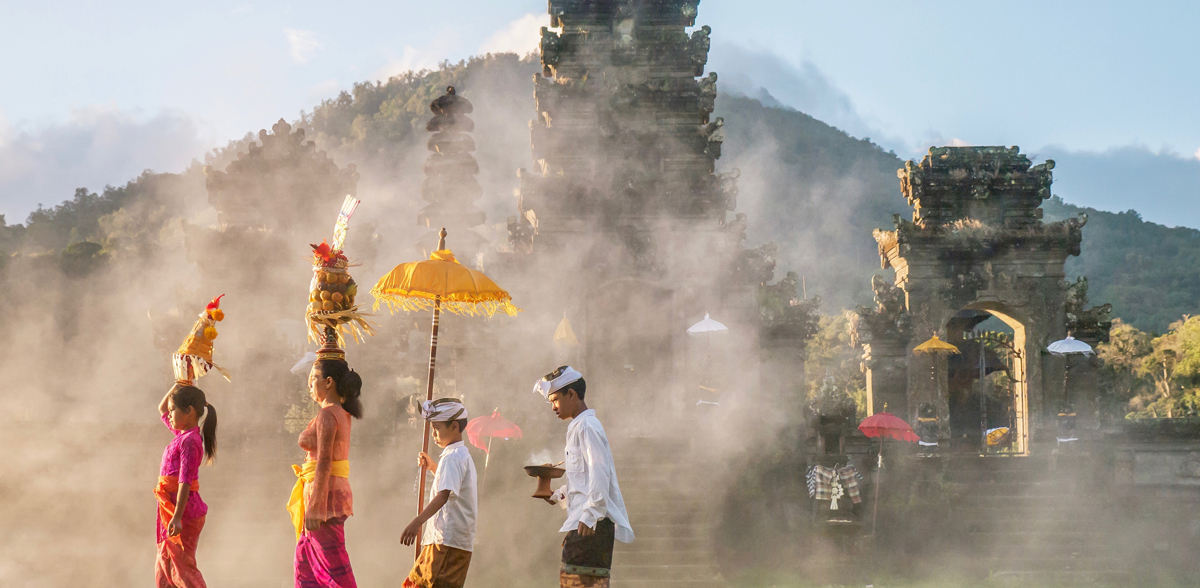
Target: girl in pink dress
(322,499)
(181,511)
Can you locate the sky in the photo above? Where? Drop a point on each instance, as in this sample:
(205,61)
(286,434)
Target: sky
(94,93)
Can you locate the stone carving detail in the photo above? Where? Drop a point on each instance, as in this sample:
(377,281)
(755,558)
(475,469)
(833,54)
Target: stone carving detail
(298,177)
(783,314)
(1002,186)
(450,185)
(887,319)
(1087,323)
(698,49)
(599,157)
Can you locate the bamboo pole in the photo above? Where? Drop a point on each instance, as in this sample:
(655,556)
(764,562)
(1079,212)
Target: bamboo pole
(433,341)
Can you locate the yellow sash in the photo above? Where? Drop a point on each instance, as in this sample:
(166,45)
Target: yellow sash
(304,475)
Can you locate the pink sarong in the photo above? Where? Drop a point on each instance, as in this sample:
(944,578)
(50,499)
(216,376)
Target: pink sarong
(321,558)
(176,565)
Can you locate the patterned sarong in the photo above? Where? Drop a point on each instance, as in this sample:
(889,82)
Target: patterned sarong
(586,561)
(321,558)
(439,566)
(821,479)
(176,564)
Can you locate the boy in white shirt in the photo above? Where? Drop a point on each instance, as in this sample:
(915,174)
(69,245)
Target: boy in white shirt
(595,510)
(450,536)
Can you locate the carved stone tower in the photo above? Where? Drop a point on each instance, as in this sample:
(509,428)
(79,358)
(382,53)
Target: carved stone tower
(450,185)
(976,248)
(624,208)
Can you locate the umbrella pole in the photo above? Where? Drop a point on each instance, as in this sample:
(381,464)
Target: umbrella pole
(433,341)
(878,479)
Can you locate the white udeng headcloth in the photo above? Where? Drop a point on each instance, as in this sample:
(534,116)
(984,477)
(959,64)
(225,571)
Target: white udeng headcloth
(443,410)
(547,387)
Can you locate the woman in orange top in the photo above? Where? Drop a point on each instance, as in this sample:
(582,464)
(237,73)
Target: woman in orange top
(321,558)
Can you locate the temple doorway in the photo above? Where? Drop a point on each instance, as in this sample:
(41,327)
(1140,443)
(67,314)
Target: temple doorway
(988,407)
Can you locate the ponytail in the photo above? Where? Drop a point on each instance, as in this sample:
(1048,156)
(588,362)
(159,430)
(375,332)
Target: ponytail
(348,382)
(208,431)
(187,396)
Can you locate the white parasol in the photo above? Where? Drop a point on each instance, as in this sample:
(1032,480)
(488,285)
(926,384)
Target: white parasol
(707,326)
(1069,346)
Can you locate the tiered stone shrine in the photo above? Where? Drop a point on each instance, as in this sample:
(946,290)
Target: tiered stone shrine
(450,185)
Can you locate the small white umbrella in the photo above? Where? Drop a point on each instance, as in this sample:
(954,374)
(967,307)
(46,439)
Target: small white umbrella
(1069,346)
(706,329)
(1064,348)
(706,326)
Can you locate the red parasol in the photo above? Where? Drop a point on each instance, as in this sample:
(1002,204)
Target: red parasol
(491,426)
(885,424)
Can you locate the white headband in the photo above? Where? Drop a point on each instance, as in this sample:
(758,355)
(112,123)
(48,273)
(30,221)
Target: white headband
(547,387)
(443,410)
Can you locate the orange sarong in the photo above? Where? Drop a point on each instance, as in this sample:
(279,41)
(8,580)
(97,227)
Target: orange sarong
(176,565)
(167,489)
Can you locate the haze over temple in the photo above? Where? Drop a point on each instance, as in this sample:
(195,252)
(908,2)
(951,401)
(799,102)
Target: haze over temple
(961,414)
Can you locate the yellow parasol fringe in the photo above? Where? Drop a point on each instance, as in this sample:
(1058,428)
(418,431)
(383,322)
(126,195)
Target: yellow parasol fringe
(417,302)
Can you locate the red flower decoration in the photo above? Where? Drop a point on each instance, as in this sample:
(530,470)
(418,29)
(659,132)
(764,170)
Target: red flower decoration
(323,251)
(215,304)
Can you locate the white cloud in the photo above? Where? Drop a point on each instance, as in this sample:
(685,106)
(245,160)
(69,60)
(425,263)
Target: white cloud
(521,36)
(1197,155)
(302,43)
(418,58)
(1162,185)
(801,85)
(96,146)
(325,89)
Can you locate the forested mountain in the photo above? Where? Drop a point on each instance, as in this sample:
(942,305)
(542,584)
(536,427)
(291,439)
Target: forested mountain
(809,187)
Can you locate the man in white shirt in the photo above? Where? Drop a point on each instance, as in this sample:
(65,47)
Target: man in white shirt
(595,510)
(449,538)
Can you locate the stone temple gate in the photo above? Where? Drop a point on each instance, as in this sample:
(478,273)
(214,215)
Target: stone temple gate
(975,248)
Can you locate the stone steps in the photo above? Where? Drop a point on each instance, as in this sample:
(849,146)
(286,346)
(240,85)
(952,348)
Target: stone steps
(677,572)
(1024,522)
(672,522)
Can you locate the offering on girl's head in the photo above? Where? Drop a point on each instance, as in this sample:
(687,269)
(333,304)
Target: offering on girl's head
(195,357)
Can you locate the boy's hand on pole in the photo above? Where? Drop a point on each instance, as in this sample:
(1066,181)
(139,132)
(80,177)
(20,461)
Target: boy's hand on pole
(424,461)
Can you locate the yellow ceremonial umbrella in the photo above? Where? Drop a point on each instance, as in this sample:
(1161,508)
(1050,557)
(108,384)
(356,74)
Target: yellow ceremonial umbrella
(565,341)
(439,283)
(935,347)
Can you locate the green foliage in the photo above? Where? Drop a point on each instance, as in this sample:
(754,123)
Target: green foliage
(1148,272)
(377,117)
(73,220)
(82,258)
(833,365)
(1157,376)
